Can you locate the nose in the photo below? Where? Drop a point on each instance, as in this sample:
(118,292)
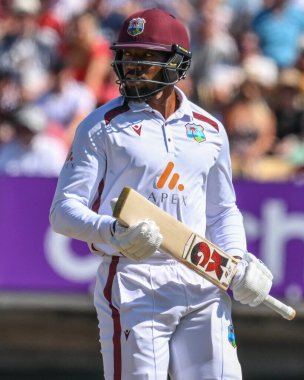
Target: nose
(133,67)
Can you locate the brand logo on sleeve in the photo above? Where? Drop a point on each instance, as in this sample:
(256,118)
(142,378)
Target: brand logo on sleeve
(69,162)
(137,128)
(127,333)
(196,132)
(169,178)
(70,157)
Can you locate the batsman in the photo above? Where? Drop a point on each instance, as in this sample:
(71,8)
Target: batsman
(156,316)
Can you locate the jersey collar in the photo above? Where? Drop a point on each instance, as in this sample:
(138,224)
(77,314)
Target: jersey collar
(183,112)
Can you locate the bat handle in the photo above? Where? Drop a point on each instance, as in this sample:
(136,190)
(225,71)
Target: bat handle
(279,307)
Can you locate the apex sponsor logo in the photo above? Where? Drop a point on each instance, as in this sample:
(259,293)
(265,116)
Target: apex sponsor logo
(171,180)
(174,199)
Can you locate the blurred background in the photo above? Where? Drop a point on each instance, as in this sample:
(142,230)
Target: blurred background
(55,68)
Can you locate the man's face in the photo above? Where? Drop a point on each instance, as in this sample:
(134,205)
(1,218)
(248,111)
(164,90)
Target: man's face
(135,72)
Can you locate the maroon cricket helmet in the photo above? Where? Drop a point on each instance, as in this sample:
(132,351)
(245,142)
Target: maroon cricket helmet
(152,29)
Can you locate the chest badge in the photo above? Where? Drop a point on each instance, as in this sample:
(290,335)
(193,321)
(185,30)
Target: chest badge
(196,132)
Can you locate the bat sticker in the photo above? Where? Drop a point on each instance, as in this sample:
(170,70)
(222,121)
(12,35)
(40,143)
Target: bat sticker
(201,255)
(209,260)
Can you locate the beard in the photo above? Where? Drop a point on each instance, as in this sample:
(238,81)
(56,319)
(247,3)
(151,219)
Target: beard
(141,92)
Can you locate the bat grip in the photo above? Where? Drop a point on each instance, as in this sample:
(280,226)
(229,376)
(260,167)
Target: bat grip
(279,307)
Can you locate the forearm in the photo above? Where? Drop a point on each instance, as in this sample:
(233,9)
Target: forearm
(224,221)
(73,219)
(227,231)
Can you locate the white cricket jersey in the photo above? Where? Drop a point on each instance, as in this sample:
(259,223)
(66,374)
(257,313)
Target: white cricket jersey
(181,164)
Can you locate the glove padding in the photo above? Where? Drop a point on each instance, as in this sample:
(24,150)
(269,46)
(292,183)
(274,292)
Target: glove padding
(252,282)
(137,242)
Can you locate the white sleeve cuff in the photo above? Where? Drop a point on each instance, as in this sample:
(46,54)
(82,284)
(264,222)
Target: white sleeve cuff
(105,223)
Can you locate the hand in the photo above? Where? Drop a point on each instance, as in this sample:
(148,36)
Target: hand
(137,242)
(252,282)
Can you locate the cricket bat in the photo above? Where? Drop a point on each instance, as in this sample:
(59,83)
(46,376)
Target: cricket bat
(194,251)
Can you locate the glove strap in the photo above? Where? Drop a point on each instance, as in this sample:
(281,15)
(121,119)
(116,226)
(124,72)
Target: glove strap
(113,227)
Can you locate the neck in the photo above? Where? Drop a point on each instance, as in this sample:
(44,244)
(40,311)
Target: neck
(165,102)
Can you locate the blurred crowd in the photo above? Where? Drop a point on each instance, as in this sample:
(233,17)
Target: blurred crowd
(247,70)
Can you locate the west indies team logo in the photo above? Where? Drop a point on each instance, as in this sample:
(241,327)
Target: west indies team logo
(231,336)
(136,26)
(196,132)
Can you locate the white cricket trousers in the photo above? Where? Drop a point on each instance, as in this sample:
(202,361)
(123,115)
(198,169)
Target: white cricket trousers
(158,318)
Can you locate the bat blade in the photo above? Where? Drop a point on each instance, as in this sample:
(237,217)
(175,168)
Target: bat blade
(194,251)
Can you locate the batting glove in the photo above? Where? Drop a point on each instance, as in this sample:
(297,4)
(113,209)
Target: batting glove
(137,242)
(252,282)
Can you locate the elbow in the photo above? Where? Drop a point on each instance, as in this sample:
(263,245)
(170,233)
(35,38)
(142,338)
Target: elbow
(57,221)
(53,220)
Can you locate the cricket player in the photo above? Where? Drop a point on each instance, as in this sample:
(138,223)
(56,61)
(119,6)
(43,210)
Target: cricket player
(156,316)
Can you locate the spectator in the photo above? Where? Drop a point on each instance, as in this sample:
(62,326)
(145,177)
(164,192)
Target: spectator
(111,14)
(7,132)
(243,11)
(67,101)
(22,51)
(55,16)
(220,88)
(258,68)
(260,72)
(32,152)
(251,128)
(212,42)
(288,107)
(279,26)
(51,24)
(10,90)
(89,56)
